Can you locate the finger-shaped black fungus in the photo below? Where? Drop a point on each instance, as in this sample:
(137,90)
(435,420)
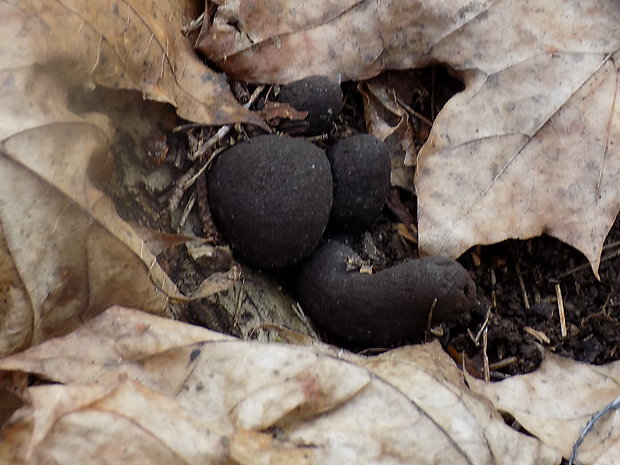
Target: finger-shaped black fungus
(271,198)
(320,96)
(361,172)
(386,308)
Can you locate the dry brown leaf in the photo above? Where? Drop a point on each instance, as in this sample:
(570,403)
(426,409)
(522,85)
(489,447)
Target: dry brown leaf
(428,377)
(412,407)
(277,110)
(238,26)
(129,44)
(65,254)
(530,146)
(123,423)
(556,402)
(387,120)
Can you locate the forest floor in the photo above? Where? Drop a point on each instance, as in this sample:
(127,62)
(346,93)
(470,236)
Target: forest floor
(525,287)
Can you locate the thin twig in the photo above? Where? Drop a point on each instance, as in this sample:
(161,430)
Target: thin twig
(317,138)
(194,24)
(493,293)
(186,210)
(538,335)
(254,96)
(613,405)
(239,301)
(558,293)
(186,127)
(430,315)
(613,245)
(179,190)
(526,300)
(503,363)
(585,266)
(485,323)
(213,140)
(485,356)
(412,112)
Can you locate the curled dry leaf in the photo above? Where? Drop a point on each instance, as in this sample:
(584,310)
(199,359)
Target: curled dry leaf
(122,423)
(65,254)
(411,407)
(556,402)
(428,377)
(531,146)
(387,120)
(128,44)
(277,110)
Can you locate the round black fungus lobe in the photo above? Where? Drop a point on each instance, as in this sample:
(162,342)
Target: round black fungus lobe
(320,96)
(386,308)
(271,197)
(361,172)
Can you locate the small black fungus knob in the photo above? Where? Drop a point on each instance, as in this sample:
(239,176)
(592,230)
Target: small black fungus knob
(271,198)
(320,96)
(382,309)
(361,171)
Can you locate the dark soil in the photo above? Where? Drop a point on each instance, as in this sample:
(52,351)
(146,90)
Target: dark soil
(518,282)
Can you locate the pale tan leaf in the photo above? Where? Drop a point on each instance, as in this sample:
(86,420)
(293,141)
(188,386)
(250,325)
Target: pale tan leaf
(529,147)
(104,348)
(547,162)
(95,424)
(130,44)
(239,26)
(412,407)
(371,36)
(428,377)
(66,254)
(15,308)
(71,255)
(556,402)
(217,282)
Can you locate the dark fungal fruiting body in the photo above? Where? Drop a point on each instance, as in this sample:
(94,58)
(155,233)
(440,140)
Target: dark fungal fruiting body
(361,172)
(271,197)
(385,308)
(320,96)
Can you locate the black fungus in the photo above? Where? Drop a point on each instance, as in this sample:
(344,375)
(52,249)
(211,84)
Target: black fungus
(386,308)
(320,96)
(271,198)
(361,172)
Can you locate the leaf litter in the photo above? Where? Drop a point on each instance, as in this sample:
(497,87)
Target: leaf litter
(248,444)
(160,387)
